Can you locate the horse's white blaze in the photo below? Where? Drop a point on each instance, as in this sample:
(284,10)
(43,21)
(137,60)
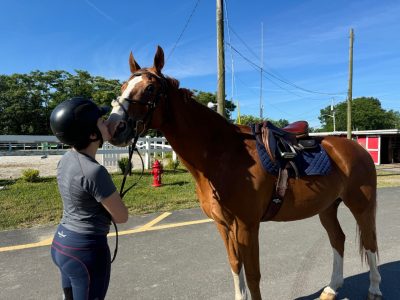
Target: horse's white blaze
(240,285)
(374,276)
(117,109)
(337,273)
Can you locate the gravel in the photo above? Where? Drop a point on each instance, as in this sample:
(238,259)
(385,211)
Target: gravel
(11,167)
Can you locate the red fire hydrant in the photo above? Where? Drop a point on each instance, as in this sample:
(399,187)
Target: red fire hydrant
(156,170)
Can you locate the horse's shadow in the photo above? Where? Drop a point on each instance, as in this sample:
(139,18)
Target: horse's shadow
(356,287)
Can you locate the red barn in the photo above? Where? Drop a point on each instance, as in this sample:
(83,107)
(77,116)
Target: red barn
(382,145)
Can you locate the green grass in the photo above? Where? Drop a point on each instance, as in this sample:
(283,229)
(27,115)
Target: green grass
(388,179)
(177,192)
(26,204)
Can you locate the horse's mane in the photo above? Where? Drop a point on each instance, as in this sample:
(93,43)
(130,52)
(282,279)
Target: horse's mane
(172,81)
(187,94)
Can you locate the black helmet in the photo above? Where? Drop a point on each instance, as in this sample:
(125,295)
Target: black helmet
(74,120)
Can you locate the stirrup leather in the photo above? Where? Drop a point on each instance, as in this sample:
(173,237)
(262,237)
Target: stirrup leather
(285,149)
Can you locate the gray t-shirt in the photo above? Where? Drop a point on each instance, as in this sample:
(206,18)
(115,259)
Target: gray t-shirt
(83,183)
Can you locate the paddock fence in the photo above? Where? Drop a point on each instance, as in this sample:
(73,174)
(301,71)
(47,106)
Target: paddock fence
(25,145)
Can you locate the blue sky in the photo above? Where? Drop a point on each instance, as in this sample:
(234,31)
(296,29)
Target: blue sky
(306,44)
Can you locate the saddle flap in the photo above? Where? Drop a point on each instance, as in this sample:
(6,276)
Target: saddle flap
(308,144)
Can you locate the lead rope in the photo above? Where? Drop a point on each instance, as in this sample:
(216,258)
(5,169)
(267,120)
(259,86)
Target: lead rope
(122,193)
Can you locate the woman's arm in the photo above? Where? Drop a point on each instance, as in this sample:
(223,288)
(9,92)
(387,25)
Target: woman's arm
(114,205)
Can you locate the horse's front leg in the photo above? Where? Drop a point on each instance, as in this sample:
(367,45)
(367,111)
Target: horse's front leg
(249,252)
(234,260)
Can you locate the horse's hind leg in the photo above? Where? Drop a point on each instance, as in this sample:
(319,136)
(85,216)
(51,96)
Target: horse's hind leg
(337,238)
(362,204)
(374,293)
(366,220)
(234,260)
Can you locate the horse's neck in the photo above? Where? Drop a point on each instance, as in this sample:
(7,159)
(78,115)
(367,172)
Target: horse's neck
(196,133)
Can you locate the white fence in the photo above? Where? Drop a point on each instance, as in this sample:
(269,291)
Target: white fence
(148,147)
(17,145)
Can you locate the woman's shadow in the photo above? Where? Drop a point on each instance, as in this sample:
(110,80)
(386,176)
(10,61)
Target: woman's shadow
(356,287)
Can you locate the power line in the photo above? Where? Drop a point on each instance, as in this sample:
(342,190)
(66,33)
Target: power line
(183,30)
(258,68)
(279,76)
(232,63)
(243,42)
(276,107)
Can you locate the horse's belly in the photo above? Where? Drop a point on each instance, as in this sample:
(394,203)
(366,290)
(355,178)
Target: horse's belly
(307,197)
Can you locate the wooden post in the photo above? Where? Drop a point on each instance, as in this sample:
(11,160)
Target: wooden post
(147,156)
(221,59)
(261,72)
(350,91)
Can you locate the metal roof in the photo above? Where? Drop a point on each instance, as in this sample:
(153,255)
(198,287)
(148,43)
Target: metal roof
(359,132)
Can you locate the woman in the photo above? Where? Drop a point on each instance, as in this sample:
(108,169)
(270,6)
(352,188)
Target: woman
(90,201)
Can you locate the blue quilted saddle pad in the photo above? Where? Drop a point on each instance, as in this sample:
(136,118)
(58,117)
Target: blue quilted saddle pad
(310,162)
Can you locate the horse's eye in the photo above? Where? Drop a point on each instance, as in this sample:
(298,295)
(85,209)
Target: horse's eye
(150,88)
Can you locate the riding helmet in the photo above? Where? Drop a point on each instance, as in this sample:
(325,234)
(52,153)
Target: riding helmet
(74,120)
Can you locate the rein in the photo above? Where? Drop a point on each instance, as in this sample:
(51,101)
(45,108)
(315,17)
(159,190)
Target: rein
(122,193)
(135,123)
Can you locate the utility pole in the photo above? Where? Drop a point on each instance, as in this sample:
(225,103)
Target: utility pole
(261,71)
(220,58)
(350,91)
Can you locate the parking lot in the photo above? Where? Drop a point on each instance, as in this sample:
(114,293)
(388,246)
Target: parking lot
(179,255)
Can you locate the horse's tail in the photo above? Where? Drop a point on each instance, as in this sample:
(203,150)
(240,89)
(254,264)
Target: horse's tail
(372,235)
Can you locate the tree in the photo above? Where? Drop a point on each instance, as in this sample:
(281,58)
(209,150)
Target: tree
(20,105)
(206,97)
(367,114)
(248,120)
(26,100)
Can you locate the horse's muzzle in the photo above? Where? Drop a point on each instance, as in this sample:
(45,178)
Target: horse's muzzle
(121,133)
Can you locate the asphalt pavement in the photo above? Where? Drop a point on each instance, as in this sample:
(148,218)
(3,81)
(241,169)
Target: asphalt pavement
(181,256)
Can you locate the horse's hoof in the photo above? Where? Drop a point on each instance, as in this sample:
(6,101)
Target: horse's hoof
(327,296)
(374,297)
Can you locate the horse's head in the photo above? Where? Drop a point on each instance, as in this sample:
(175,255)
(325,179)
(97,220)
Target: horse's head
(137,109)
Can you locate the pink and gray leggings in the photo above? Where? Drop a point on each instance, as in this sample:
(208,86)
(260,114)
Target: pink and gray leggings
(84,262)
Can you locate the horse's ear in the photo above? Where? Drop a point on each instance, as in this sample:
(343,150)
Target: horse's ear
(133,64)
(159,59)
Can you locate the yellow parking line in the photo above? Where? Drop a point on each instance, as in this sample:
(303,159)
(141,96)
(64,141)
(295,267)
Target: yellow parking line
(44,242)
(146,227)
(159,227)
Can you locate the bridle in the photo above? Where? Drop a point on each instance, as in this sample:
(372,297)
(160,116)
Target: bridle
(135,123)
(151,105)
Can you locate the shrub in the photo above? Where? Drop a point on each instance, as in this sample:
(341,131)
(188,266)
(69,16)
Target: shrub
(171,164)
(123,164)
(30,175)
(168,155)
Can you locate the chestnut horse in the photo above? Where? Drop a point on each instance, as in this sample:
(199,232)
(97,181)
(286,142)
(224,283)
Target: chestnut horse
(232,186)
